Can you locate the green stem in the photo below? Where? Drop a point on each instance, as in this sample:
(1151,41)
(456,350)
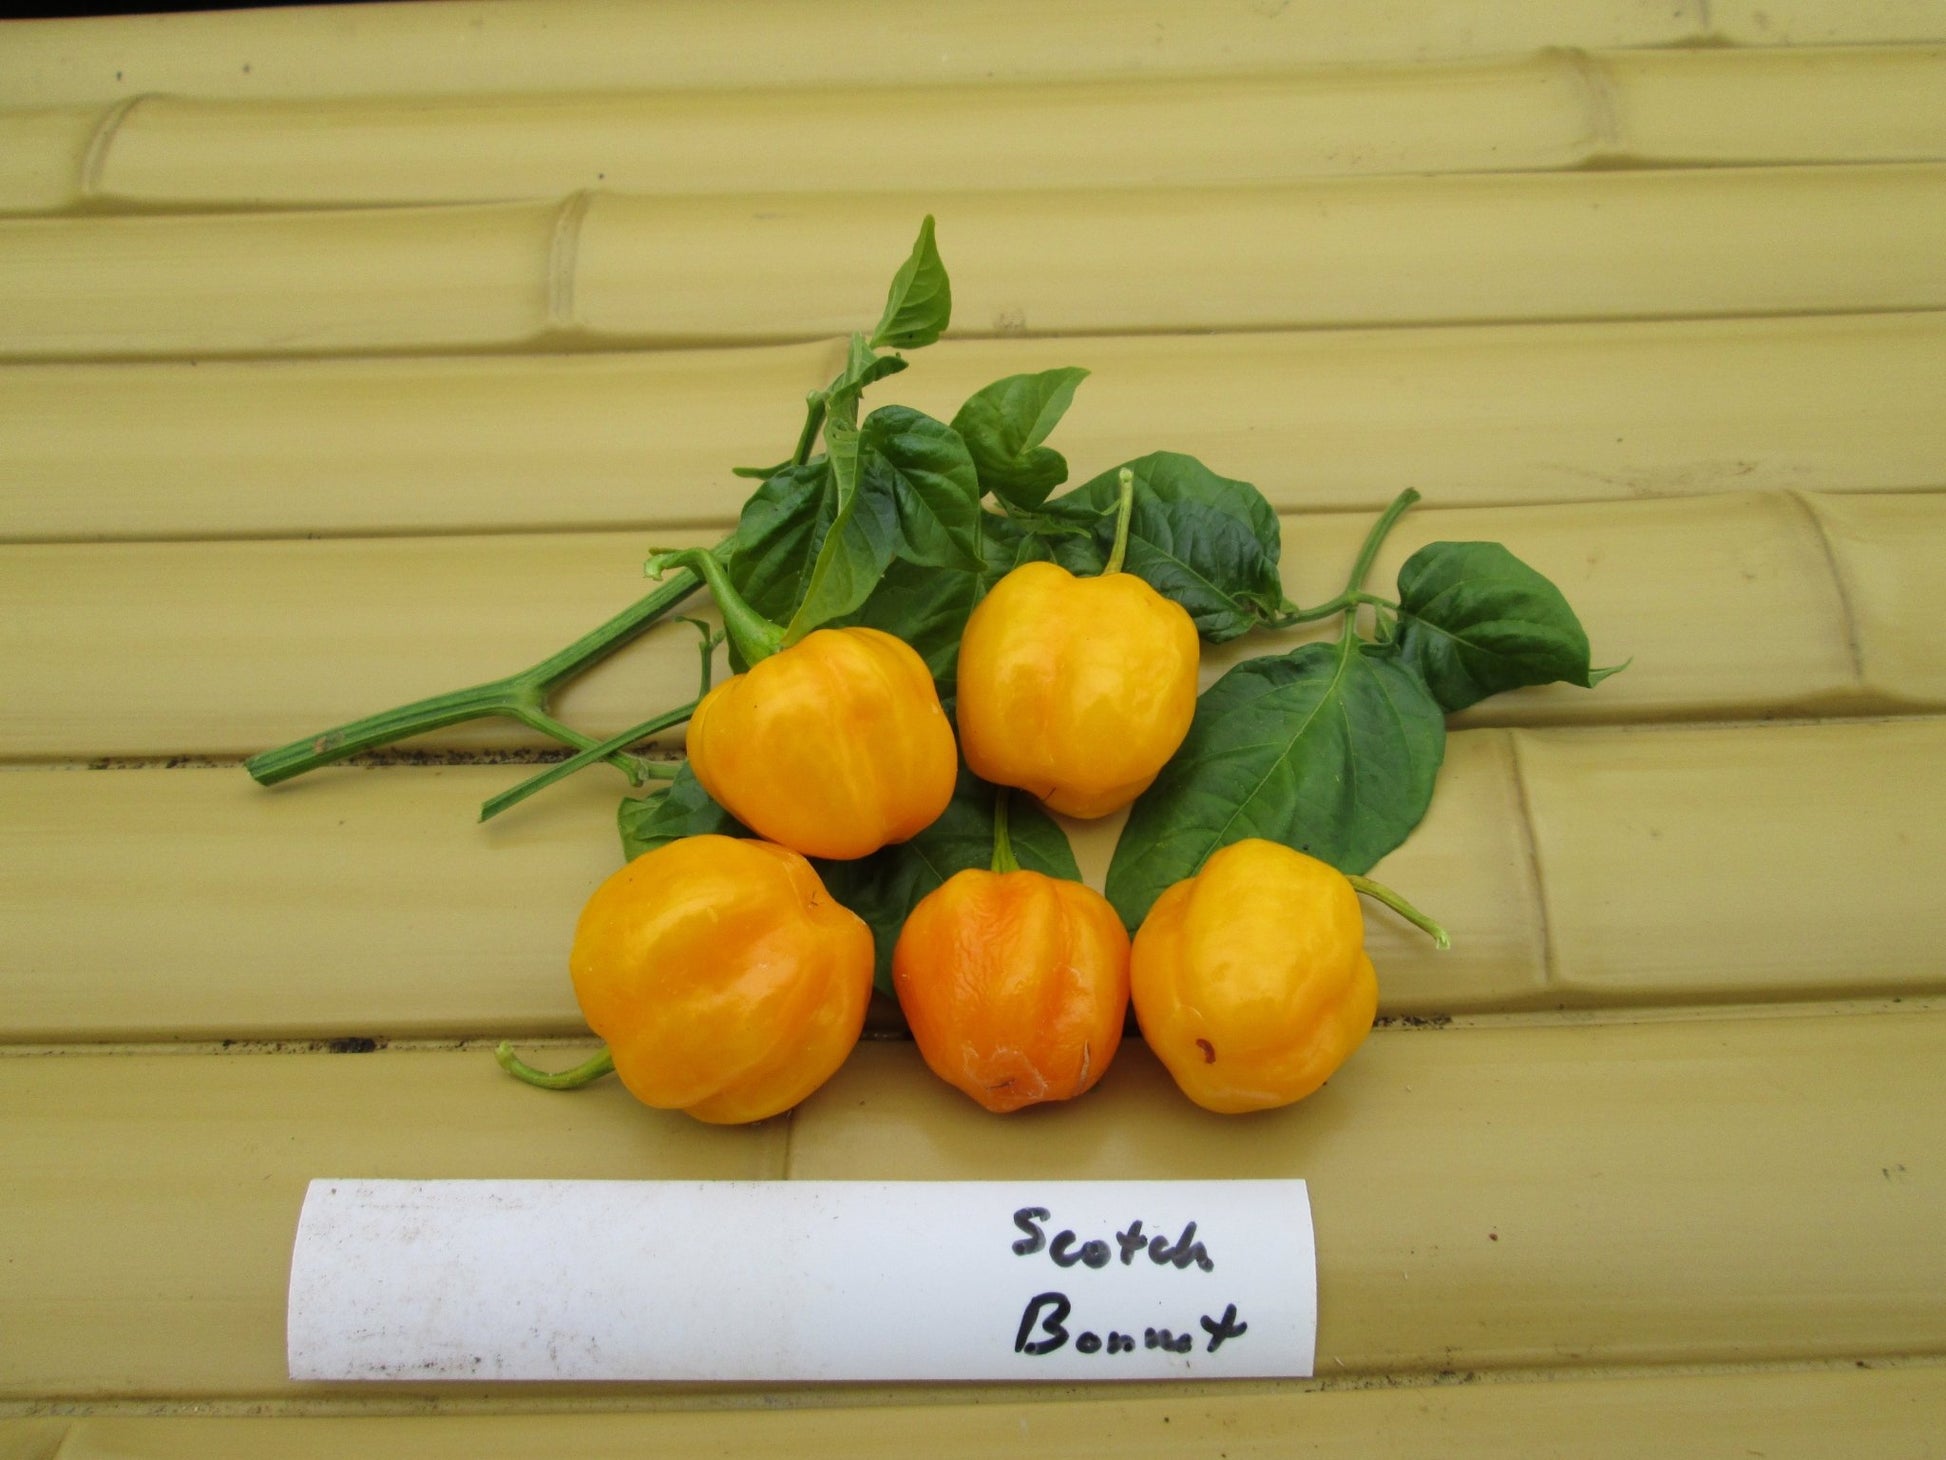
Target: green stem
(1384,894)
(515,697)
(754,636)
(1329,607)
(1124,508)
(585,1073)
(1003,845)
(533,717)
(560,771)
(814,408)
(1369,553)
(608,748)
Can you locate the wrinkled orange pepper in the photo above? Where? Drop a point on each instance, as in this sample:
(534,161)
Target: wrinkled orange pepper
(1076,690)
(1015,984)
(835,747)
(726,980)
(1250,979)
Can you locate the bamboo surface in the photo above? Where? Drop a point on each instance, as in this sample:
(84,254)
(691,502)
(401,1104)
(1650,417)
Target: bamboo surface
(1451,249)
(232,646)
(1317,420)
(1551,110)
(1445,1183)
(352,354)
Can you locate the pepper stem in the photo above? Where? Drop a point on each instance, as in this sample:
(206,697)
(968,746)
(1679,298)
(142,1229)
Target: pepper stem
(585,1073)
(1379,891)
(1003,843)
(518,696)
(1124,507)
(754,636)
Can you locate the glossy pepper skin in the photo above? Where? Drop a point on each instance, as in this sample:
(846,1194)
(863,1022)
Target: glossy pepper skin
(1015,985)
(1250,979)
(834,747)
(1075,690)
(726,980)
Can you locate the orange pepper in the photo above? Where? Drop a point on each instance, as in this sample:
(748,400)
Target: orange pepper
(1015,985)
(834,747)
(1076,690)
(726,980)
(1250,979)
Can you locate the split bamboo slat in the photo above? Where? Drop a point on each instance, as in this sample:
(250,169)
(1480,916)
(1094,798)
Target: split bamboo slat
(1318,419)
(1554,110)
(354,353)
(233,647)
(1454,1174)
(1585,867)
(1798,1414)
(638,270)
(493,46)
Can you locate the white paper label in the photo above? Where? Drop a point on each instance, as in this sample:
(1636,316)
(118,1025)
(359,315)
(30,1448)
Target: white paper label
(799,1280)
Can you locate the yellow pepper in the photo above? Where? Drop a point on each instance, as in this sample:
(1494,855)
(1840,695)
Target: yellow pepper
(834,747)
(1015,985)
(1076,690)
(1250,979)
(726,980)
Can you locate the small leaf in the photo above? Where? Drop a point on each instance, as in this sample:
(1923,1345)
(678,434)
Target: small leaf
(1209,542)
(884,887)
(1331,749)
(685,809)
(1003,427)
(1475,620)
(919,305)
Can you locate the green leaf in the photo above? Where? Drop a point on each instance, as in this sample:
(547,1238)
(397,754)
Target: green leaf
(857,543)
(1475,620)
(1209,542)
(684,809)
(1331,749)
(928,607)
(777,539)
(914,497)
(1003,427)
(922,468)
(920,304)
(884,887)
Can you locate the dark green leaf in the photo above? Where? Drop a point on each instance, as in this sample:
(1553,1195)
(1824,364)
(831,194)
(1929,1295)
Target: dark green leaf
(1209,542)
(856,546)
(928,607)
(919,305)
(884,887)
(684,809)
(921,467)
(1331,749)
(1475,620)
(1003,427)
(777,539)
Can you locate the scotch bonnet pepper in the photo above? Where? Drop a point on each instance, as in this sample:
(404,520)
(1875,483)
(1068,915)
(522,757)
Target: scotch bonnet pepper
(834,746)
(726,980)
(1250,979)
(1076,690)
(1014,983)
